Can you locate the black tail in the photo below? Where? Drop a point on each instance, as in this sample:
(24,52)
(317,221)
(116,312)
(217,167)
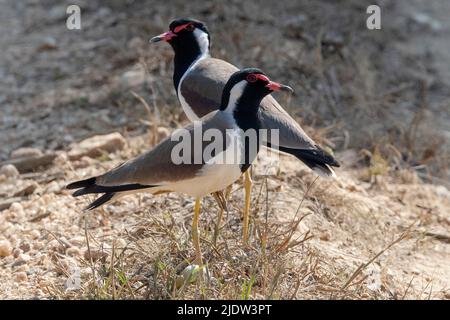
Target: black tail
(99,201)
(89,186)
(317,159)
(104,189)
(81,183)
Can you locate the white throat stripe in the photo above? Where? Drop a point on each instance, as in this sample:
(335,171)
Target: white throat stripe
(235,94)
(202,39)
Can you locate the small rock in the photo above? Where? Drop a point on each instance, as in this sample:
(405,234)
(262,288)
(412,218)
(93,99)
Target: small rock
(84,162)
(24,164)
(77,241)
(9,171)
(95,255)
(16,207)
(325,236)
(25,246)
(24,257)
(29,189)
(25,153)
(5,204)
(20,277)
(35,234)
(73,251)
(48,43)
(74,229)
(97,145)
(53,187)
(55,245)
(38,245)
(16,253)
(120,243)
(5,248)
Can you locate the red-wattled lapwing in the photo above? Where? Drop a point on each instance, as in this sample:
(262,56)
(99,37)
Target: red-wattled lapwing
(199,81)
(156,171)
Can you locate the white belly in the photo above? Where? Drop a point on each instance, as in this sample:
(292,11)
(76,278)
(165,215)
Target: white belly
(217,174)
(215,178)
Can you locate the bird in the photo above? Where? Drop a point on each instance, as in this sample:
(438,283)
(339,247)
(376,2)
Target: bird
(158,170)
(199,80)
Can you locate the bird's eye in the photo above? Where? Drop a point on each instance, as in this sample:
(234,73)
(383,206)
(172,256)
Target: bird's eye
(190,27)
(251,78)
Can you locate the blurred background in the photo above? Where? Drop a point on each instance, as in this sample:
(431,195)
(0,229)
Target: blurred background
(378,99)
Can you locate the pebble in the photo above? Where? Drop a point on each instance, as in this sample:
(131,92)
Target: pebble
(120,243)
(35,234)
(325,236)
(96,146)
(95,255)
(48,43)
(25,246)
(55,245)
(23,258)
(53,187)
(9,171)
(16,207)
(74,229)
(73,251)
(16,253)
(5,248)
(25,153)
(77,241)
(20,276)
(32,163)
(38,245)
(26,191)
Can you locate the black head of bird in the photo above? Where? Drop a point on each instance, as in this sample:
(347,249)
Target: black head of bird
(186,34)
(246,88)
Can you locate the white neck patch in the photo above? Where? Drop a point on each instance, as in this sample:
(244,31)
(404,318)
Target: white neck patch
(202,40)
(203,43)
(235,94)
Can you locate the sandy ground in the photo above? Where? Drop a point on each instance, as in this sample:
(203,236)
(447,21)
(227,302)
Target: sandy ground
(58,87)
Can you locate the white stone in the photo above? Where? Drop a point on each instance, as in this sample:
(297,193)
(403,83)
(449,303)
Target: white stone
(9,171)
(5,248)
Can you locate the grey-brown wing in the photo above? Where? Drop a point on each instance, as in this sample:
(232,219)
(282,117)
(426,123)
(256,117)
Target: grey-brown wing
(157,166)
(202,90)
(202,87)
(291,135)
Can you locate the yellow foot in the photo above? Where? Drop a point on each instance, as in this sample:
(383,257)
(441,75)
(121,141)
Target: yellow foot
(248,190)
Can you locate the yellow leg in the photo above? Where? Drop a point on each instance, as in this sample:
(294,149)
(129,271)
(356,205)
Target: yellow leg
(221,199)
(195,234)
(248,189)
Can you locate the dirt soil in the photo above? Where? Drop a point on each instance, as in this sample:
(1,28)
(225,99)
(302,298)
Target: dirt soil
(379,99)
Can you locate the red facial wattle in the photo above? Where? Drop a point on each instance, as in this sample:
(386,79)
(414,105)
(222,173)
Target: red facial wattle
(182,27)
(262,77)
